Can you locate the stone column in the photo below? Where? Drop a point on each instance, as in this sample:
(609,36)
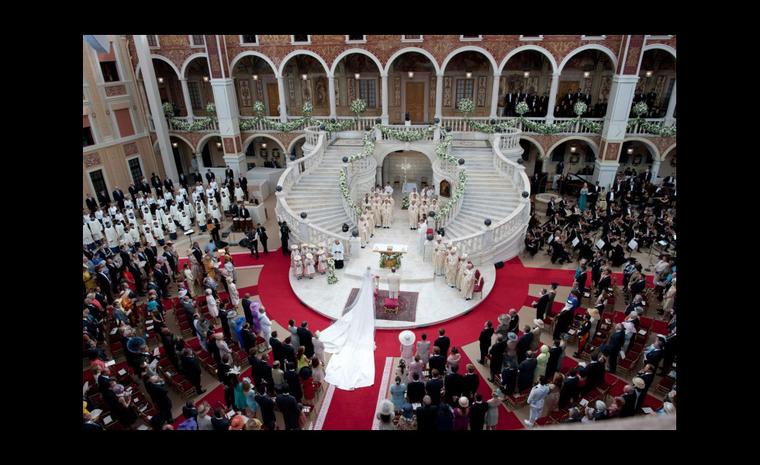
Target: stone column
(439,96)
(282,95)
(619,106)
(379,176)
(384,96)
(669,120)
(156,110)
(552,98)
(331,91)
(186,97)
(199,161)
(604,173)
(495,95)
(228,115)
(655,170)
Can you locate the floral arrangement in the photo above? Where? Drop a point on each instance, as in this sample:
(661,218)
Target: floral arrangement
(358,107)
(368,146)
(211,110)
(442,149)
(640,109)
(259,108)
(407,135)
(343,125)
(298,123)
(580,108)
(168,109)
(466,106)
(307,108)
(521,108)
(652,128)
(331,278)
(405,203)
(385,257)
(532,126)
(491,128)
(346,192)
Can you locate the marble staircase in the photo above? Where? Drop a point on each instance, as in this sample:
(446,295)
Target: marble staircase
(487,195)
(317,193)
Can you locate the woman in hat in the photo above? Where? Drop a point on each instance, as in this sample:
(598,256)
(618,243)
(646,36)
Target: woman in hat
(385,415)
(462,414)
(297,266)
(233,292)
(452,362)
(492,417)
(541,361)
(321,261)
(407,346)
(319,348)
(423,349)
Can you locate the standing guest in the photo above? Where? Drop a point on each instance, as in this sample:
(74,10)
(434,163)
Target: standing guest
(266,407)
(423,349)
(478,412)
(462,414)
(305,338)
(555,355)
(415,390)
(485,341)
(492,416)
(219,422)
(426,415)
(471,381)
(525,371)
(524,343)
(445,418)
(437,362)
(398,394)
(288,405)
(443,342)
(542,305)
(191,369)
(570,388)
(452,362)
(614,347)
(536,401)
(434,386)
(262,233)
(496,356)
(265,324)
(415,366)
(284,236)
(453,384)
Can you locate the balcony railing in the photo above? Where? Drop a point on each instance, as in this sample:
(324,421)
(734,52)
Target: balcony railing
(647,126)
(260,126)
(179,123)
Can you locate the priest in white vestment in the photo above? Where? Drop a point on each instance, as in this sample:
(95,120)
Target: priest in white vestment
(394,282)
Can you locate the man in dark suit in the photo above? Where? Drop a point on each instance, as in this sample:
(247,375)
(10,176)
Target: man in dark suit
(288,405)
(443,342)
(415,390)
(496,356)
(105,283)
(525,372)
(293,381)
(263,371)
(284,236)
(485,341)
(453,384)
(569,392)
(304,337)
(654,356)
(288,352)
(159,393)
(118,197)
(228,173)
(594,373)
(614,346)
(155,181)
(168,184)
(243,181)
(262,231)
(197,252)
(563,322)
(437,361)
(523,344)
(629,396)
(541,305)
(191,368)
(554,356)
(246,302)
(433,386)
(509,104)
(426,414)
(209,176)
(471,382)
(183,180)
(133,190)
(478,411)
(277,346)
(266,404)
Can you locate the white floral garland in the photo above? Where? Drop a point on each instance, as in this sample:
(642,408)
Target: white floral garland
(466,105)
(407,135)
(358,107)
(331,278)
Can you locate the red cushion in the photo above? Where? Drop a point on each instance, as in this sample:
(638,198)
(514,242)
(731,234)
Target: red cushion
(390,303)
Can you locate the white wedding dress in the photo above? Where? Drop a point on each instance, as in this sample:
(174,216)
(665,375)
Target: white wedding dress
(351,340)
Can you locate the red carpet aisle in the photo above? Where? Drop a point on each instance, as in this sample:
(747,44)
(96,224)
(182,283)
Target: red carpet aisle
(356,409)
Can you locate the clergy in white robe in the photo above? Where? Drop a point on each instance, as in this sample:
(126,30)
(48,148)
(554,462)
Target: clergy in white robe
(413,214)
(394,283)
(451,267)
(111,237)
(337,252)
(97,229)
(234,295)
(172,230)
(239,194)
(467,281)
(120,233)
(87,239)
(225,200)
(388,189)
(184,221)
(421,237)
(370,221)
(265,324)
(158,233)
(148,234)
(427,251)
(146,215)
(187,272)
(460,270)
(134,232)
(386,213)
(363,231)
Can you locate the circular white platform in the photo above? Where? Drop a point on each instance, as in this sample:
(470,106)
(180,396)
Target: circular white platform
(436,301)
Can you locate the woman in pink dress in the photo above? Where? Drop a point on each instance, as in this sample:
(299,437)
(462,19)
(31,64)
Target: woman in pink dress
(462,415)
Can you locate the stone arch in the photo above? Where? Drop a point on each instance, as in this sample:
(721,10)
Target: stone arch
(650,145)
(524,48)
(665,47)
(360,51)
(251,53)
(162,58)
(250,139)
(303,52)
(189,60)
(666,152)
(421,51)
(294,141)
(470,48)
(541,152)
(381,154)
(205,140)
(578,50)
(183,139)
(591,144)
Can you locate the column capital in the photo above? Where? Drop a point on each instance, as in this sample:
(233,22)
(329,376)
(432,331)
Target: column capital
(556,74)
(440,75)
(384,75)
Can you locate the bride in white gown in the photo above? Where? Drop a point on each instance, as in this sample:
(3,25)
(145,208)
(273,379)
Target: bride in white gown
(351,340)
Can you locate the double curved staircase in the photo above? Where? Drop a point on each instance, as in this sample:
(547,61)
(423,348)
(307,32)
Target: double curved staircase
(310,200)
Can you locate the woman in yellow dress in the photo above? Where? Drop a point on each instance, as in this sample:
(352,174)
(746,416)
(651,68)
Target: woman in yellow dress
(89,280)
(209,266)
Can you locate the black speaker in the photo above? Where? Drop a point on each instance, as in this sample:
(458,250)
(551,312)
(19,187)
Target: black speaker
(498,265)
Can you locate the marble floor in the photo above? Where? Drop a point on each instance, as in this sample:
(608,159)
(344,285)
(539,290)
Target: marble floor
(437,301)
